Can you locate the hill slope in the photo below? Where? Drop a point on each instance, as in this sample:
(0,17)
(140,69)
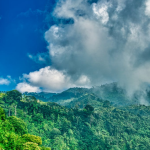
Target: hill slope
(111,92)
(98,126)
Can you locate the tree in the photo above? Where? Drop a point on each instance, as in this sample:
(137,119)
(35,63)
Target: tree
(55,132)
(2,114)
(2,95)
(38,117)
(31,146)
(32,138)
(45,148)
(12,96)
(18,124)
(30,98)
(89,108)
(106,104)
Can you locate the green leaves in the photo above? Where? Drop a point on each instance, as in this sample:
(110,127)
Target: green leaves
(45,148)
(13,96)
(18,124)
(32,138)
(2,114)
(11,130)
(38,117)
(31,146)
(55,132)
(2,95)
(89,108)
(96,124)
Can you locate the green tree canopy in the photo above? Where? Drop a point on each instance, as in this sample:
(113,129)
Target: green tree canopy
(89,107)
(2,114)
(18,124)
(13,95)
(2,95)
(32,138)
(31,146)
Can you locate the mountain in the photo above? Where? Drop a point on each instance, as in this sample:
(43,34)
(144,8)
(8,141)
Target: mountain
(86,123)
(44,96)
(111,92)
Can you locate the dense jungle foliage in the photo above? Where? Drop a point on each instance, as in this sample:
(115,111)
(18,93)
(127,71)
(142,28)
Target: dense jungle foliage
(14,135)
(85,123)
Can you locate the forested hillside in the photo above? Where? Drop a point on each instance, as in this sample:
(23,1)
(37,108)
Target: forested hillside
(14,135)
(44,96)
(87,123)
(112,92)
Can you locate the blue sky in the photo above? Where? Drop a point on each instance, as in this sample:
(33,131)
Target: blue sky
(48,45)
(22,28)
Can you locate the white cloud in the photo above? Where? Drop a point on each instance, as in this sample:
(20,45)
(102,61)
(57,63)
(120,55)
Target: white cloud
(105,43)
(67,9)
(4,81)
(25,87)
(147,10)
(47,78)
(121,5)
(50,80)
(83,80)
(101,11)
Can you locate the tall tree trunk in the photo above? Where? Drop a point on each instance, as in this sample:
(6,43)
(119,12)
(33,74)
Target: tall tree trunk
(9,112)
(15,110)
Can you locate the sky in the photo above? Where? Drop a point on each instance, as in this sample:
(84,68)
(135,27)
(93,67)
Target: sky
(54,45)
(22,27)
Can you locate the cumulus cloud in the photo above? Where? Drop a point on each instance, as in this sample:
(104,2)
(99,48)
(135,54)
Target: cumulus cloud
(108,41)
(25,87)
(49,79)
